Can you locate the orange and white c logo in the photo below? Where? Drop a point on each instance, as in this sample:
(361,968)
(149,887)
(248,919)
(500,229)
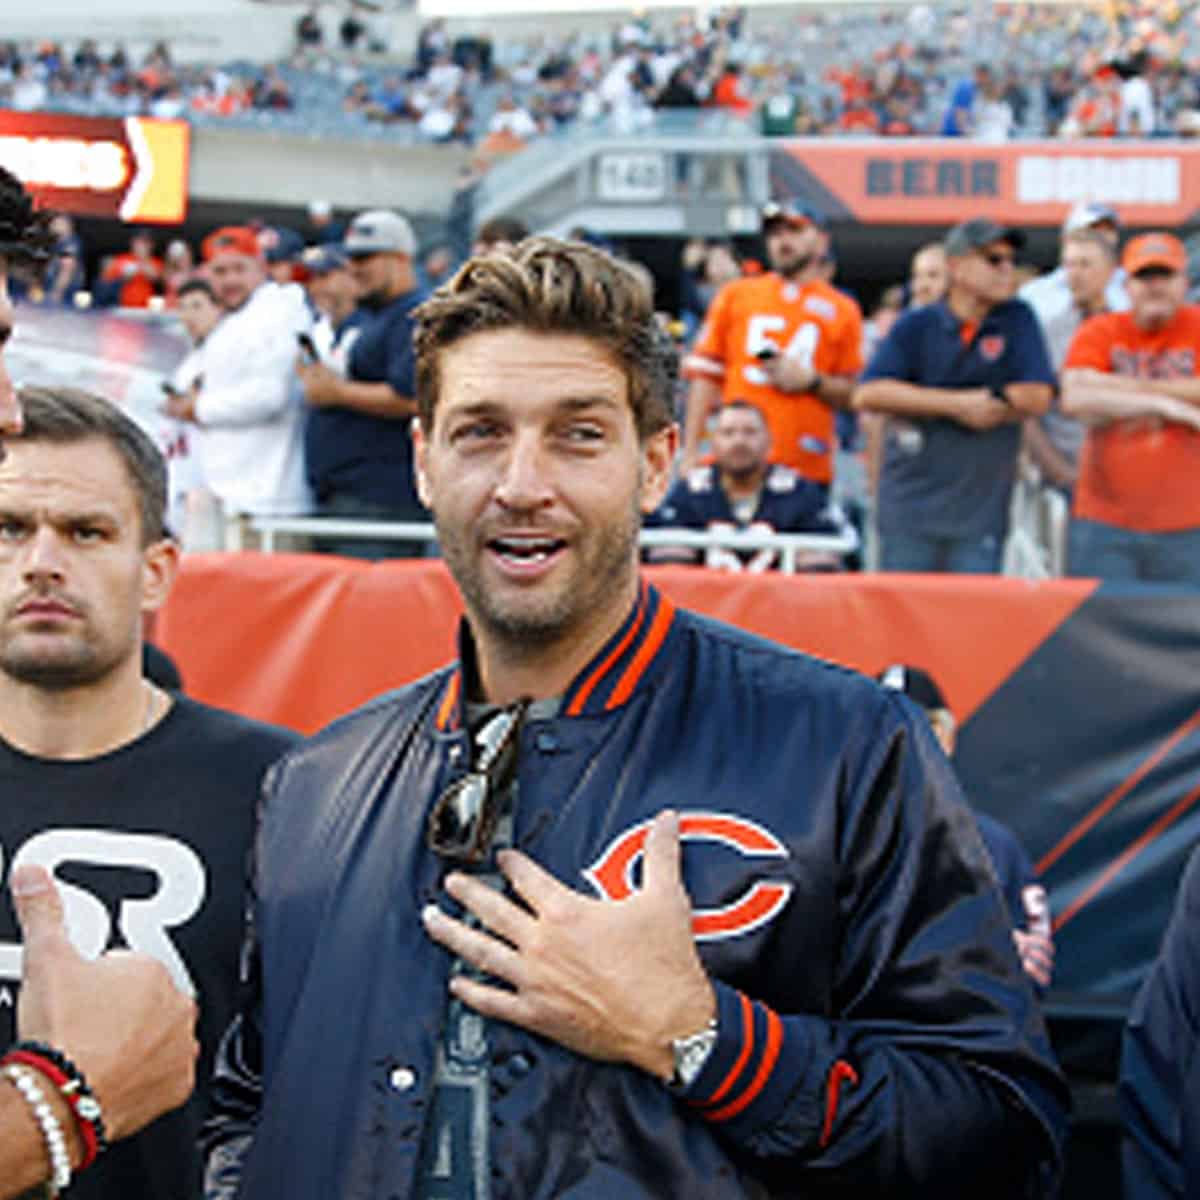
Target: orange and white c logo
(612,873)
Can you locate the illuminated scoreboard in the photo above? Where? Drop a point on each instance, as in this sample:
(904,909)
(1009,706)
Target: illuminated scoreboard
(133,168)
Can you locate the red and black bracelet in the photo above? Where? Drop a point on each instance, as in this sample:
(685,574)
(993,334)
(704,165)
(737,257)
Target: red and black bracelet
(73,1088)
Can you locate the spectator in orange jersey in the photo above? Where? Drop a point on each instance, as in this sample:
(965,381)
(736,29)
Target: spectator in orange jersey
(1134,377)
(787,341)
(136,275)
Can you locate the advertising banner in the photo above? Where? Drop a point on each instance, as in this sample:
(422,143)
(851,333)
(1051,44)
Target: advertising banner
(917,181)
(132,168)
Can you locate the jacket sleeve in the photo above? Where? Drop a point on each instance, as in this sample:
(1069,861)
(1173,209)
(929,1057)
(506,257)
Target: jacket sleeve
(235,1090)
(1160,1069)
(931,1066)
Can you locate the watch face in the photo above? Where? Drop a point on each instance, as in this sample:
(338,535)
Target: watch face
(691,1053)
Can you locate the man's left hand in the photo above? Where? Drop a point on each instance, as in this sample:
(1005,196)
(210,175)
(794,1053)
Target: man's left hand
(319,382)
(615,981)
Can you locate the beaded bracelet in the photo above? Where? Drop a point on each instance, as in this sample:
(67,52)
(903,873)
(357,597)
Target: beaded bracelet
(70,1081)
(26,1083)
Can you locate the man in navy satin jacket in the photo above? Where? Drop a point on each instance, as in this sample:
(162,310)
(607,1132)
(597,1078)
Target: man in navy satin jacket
(624,903)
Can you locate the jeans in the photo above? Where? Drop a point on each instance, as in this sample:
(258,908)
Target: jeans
(921,554)
(1099,551)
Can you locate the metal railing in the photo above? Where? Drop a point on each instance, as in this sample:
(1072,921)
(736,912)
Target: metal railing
(263,533)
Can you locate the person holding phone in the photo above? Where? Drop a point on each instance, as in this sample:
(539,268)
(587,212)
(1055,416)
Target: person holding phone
(958,378)
(357,441)
(308,348)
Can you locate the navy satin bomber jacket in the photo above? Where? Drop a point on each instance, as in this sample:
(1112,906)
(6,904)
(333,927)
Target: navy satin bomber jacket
(877,1036)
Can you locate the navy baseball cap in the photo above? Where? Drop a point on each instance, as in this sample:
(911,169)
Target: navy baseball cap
(919,686)
(320,260)
(281,245)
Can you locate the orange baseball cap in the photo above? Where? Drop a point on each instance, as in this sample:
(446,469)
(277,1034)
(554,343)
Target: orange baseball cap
(1161,250)
(231,239)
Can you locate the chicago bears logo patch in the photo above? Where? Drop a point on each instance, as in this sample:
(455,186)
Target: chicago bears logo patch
(612,873)
(992,346)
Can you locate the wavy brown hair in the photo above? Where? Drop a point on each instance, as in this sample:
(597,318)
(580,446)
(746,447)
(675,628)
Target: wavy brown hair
(549,286)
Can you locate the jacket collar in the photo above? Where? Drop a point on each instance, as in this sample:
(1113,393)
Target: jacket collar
(608,681)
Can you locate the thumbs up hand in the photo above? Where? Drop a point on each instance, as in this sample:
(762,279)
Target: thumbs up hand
(119,1018)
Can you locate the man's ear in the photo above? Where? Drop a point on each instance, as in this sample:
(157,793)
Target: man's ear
(420,461)
(658,455)
(160,566)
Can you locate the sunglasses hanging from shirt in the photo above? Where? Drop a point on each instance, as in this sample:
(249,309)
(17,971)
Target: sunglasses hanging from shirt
(463,820)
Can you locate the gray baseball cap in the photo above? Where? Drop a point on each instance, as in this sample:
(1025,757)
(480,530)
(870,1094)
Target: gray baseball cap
(379,231)
(980,232)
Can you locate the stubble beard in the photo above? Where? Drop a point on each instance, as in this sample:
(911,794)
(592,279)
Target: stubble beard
(531,624)
(795,267)
(743,473)
(67,663)
(63,671)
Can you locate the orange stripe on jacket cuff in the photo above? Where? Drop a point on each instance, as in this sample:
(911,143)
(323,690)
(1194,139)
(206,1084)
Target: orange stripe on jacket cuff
(743,1056)
(770,1056)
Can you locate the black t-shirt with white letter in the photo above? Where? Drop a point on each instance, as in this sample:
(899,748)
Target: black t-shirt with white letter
(149,846)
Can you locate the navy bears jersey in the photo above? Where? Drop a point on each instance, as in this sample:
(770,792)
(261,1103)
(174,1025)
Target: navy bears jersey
(787,503)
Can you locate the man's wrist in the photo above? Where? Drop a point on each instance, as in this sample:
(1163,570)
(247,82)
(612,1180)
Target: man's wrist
(693,1018)
(690,1054)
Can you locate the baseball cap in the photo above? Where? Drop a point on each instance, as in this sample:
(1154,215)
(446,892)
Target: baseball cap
(1084,216)
(979,232)
(379,231)
(919,686)
(1154,250)
(281,245)
(231,239)
(320,260)
(790,211)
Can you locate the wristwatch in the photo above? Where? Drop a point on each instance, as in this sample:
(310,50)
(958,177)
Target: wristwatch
(690,1054)
(817,379)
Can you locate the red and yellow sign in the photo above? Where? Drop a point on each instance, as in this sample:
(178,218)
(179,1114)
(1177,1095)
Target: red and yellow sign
(134,168)
(946,180)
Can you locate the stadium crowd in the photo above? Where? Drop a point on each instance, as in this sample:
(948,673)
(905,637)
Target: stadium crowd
(927,70)
(855,429)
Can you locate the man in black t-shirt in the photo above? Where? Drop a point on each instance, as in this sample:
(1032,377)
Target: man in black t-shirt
(140,803)
(358,447)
